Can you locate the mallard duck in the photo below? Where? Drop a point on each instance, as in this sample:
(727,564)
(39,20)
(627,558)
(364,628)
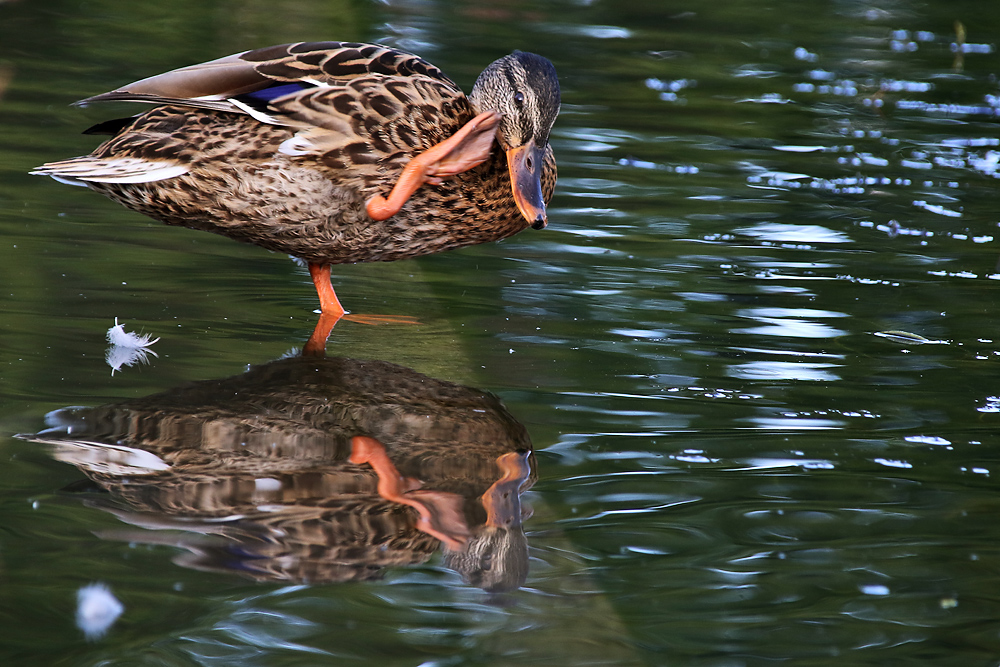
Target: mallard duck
(333,152)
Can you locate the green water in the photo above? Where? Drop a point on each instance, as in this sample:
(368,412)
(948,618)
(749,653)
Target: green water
(732,467)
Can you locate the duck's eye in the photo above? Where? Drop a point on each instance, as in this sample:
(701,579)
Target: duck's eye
(519,97)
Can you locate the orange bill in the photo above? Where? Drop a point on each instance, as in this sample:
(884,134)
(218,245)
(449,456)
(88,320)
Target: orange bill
(525,165)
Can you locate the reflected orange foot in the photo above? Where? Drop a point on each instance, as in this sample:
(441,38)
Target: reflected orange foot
(316,345)
(439,513)
(376,320)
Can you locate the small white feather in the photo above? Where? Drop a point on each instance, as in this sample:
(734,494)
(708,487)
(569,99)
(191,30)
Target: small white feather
(297,145)
(316,82)
(254,113)
(96,610)
(127,348)
(119,337)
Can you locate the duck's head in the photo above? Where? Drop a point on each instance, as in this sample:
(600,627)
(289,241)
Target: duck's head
(524,88)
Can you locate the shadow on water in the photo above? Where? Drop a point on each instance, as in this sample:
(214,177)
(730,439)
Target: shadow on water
(310,469)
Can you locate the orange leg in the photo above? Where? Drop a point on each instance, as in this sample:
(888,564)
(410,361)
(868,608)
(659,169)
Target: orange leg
(465,149)
(329,304)
(330,310)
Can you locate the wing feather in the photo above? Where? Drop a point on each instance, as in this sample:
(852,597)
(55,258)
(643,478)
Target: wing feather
(373,122)
(211,85)
(359,110)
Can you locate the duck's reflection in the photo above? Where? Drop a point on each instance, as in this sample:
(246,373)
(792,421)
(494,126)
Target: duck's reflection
(312,469)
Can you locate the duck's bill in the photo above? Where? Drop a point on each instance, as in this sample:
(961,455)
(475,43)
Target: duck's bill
(525,165)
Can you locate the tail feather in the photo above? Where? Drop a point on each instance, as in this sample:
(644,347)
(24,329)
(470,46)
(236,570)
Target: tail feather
(89,169)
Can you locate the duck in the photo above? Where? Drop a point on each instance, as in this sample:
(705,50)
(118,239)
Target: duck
(333,153)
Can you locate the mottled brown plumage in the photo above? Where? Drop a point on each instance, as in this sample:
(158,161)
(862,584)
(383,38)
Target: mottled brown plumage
(286,147)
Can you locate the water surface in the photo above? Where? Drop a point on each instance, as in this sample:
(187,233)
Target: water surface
(755,352)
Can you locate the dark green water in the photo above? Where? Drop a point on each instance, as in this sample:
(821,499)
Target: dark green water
(732,467)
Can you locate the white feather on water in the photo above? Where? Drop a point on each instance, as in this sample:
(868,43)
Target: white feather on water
(118,336)
(96,610)
(127,348)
